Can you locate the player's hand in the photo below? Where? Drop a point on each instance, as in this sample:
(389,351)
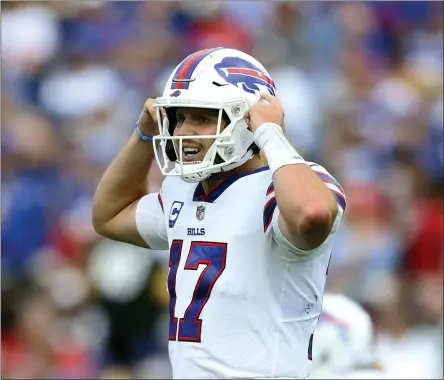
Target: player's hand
(148,119)
(268,111)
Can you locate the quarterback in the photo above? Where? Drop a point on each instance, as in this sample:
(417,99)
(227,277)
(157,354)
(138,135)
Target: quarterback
(249,244)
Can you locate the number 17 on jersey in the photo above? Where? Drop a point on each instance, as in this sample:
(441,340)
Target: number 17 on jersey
(211,254)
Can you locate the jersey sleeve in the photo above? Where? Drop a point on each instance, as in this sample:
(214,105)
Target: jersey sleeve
(150,221)
(332,184)
(271,211)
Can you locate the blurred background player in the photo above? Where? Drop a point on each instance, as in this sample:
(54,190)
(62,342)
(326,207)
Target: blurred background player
(362,87)
(344,342)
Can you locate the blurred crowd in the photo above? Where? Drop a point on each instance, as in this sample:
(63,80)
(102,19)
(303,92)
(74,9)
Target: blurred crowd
(362,87)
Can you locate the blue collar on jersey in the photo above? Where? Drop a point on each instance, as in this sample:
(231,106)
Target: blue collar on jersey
(199,193)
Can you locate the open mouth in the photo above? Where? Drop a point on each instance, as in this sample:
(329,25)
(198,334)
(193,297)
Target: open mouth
(190,154)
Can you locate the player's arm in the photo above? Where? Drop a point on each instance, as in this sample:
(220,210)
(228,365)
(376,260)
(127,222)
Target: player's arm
(123,185)
(307,208)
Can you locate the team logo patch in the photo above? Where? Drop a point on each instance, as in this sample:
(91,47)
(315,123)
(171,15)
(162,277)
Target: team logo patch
(174,213)
(175,94)
(239,71)
(200,212)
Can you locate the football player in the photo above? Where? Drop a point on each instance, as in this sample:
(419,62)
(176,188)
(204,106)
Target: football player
(249,244)
(343,344)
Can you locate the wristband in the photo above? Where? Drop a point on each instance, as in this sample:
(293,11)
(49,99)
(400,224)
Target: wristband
(270,138)
(141,135)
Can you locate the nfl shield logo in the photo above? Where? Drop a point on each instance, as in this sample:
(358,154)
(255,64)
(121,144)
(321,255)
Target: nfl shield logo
(200,212)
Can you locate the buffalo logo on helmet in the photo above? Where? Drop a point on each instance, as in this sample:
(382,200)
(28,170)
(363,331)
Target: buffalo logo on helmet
(239,71)
(175,94)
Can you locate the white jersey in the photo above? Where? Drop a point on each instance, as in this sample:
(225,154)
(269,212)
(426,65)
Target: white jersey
(352,374)
(244,302)
(365,374)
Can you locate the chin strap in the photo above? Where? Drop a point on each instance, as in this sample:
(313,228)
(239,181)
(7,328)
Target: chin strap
(199,178)
(252,150)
